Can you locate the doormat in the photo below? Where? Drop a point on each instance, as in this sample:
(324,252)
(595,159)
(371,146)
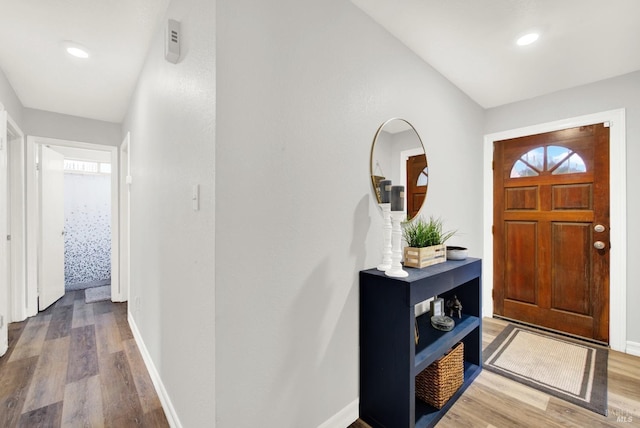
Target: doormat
(97,294)
(570,370)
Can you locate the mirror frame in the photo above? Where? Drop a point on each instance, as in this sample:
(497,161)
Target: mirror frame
(376,179)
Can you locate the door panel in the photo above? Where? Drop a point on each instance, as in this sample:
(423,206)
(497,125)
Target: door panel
(520,271)
(550,190)
(417,182)
(51,275)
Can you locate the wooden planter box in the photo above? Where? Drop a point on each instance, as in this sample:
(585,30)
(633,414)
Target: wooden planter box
(423,257)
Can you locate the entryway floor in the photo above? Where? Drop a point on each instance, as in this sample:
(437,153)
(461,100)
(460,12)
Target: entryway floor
(76,364)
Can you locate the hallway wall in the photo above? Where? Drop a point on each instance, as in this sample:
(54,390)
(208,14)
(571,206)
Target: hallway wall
(64,127)
(10,100)
(171,118)
(302,88)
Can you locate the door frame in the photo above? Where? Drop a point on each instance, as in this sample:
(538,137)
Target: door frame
(618,213)
(17,229)
(125,216)
(33,243)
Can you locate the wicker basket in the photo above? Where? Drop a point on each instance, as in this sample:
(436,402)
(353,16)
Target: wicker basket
(438,382)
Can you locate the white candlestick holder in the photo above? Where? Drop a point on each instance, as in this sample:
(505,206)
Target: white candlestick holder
(386,233)
(396,270)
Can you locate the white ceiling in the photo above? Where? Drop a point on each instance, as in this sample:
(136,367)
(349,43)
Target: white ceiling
(116,32)
(472,42)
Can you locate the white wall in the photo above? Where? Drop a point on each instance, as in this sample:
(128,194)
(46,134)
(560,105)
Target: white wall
(64,127)
(620,92)
(10,100)
(171,119)
(302,88)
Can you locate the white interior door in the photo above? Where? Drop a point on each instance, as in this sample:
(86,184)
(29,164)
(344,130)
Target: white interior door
(4,274)
(51,181)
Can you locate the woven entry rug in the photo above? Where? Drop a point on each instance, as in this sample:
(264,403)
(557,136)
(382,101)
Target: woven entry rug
(570,370)
(97,294)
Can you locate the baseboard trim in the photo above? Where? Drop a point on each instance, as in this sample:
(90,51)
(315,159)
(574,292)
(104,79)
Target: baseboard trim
(167,406)
(344,417)
(633,348)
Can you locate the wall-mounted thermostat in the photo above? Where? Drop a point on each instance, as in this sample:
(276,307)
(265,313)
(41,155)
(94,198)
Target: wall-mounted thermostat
(172,41)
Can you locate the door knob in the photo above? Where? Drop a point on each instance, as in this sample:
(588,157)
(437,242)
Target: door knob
(599,245)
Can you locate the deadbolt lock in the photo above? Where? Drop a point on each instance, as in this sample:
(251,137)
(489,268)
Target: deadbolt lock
(598,228)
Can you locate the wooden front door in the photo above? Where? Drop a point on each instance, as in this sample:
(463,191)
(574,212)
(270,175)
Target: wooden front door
(417,182)
(551,216)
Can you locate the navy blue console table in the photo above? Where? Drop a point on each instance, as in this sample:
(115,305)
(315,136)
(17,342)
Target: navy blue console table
(389,357)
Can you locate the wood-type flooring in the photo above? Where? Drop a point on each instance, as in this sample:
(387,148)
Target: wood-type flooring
(76,365)
(495,401)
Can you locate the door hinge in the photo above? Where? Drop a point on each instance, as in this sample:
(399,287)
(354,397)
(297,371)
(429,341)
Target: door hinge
(8,237)
(37,166)
(493,165)
(493,229)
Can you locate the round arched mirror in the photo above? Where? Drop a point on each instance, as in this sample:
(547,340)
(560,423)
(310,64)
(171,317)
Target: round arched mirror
(397,154)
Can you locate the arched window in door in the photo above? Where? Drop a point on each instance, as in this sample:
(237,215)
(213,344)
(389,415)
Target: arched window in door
(548,160)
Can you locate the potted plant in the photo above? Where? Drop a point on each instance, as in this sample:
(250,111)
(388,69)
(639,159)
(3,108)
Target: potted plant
(425,242)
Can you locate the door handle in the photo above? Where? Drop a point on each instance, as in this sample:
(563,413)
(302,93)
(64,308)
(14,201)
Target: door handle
(599,245)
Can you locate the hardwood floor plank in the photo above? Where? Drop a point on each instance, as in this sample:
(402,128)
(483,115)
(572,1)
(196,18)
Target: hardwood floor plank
(31,340)
(107,334)
(49,379)
(83,354)
(60,324)
(155,419)
(83,404)
(120,402)
(103,307)
(82,314)
(45,417)
(67,299)
(146,392)
(120,313)
(15,380)
(521,392)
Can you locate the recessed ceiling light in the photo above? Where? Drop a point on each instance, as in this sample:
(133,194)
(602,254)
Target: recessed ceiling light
(527,39)
(76,50)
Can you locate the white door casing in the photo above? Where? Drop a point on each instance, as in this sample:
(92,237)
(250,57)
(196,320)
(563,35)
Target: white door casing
(33,223)
(51,184)
(4,274)
(125,214)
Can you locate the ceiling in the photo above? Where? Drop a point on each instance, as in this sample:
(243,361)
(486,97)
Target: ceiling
(117,34)
(472,42)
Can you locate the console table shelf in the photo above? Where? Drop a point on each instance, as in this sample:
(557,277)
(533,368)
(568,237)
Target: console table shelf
(389,357)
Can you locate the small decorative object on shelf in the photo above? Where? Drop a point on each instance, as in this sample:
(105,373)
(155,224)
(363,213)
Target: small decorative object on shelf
(386,234)
(442,322)
(457,253)
(425,242)
(454,306)
(396,270)
(437,306)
